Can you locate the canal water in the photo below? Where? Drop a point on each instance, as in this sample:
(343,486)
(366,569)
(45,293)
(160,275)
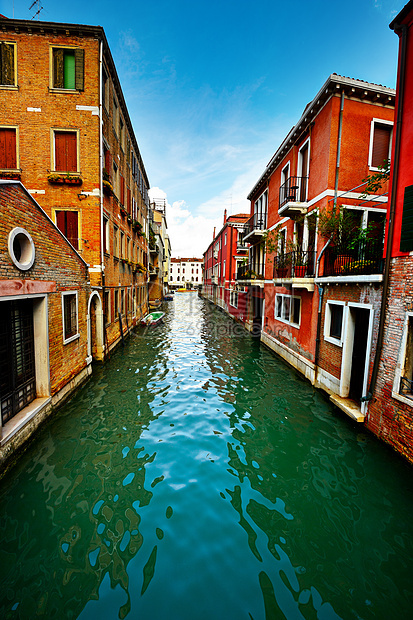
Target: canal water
(197,477)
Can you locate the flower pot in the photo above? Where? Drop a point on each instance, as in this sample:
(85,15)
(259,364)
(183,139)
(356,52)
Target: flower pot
(300,271)
(282,272)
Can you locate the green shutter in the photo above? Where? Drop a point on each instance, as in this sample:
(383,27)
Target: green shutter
(58,68)
(80,69)
(69,70)
(406,238)
(7,64)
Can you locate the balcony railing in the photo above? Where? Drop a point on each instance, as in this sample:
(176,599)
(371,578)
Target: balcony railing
(293,190)
(258,222)
(249,272)
(296,264)
(364,258)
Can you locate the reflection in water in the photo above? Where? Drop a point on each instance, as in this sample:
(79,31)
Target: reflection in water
(197,476)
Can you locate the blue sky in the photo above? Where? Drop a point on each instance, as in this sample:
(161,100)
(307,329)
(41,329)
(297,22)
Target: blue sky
(213,87)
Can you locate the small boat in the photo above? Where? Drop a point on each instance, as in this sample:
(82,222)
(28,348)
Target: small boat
(152,319)
(168,298)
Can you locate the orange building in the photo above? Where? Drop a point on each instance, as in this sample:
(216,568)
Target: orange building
(314,291)
(65,132)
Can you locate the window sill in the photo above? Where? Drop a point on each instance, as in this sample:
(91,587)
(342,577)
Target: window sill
(20,419)
(332,340)
(407,400)
(67,91)
(8,87)
(71,339)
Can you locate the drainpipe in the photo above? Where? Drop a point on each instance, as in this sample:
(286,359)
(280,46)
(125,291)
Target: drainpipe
(340,127)
(102,259)
(320,307)
(390,233)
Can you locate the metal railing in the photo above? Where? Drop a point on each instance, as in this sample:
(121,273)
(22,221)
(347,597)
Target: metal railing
(406,386)
(251,272)
(366,257)
(256,222)
(296,264)
(293,190)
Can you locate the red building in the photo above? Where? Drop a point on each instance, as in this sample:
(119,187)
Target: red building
(223,261)
(390,413)
(313,291)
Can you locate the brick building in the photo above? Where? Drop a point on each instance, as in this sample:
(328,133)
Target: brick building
(223,261)
(65,132)
(48,323)
(315,267)
(390,414)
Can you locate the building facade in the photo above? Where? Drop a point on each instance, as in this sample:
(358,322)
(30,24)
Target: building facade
(224,259)
(315,269)
(185,273)
(390,414)
(49,327)
(65,132)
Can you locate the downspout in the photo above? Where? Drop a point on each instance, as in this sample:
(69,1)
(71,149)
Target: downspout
(340,127)
(102,259)
(390,234)
(320,286)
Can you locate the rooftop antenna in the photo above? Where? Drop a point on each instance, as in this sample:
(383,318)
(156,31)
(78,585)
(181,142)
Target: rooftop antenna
(37,5)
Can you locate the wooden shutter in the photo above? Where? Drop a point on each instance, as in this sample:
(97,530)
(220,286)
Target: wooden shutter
(72,228)
(122,190)
(58,68)
(7,64)
(66,151)
(406,238)
(129,201)
(79,69)
(381,144)
(8,157)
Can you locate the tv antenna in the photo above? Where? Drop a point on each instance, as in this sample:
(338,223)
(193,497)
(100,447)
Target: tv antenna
(38,6)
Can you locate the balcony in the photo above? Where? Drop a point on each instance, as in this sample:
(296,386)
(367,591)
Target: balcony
(293,197)
(249,273)
(255,227)
(214,279)
(365,258)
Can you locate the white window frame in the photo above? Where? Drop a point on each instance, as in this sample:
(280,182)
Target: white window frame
(15,85)
(233,298)
(77,335)
(327,322)
(401,363)
(378,121)
(282,318)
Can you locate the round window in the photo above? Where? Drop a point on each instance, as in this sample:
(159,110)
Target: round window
(21,248)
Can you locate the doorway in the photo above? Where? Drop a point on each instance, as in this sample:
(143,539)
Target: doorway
(361,318)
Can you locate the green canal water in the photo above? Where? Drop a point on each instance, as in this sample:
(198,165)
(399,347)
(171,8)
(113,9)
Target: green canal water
(197,477)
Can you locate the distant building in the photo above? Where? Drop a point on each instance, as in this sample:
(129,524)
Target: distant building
(225,257)
(185,273)
(50,326)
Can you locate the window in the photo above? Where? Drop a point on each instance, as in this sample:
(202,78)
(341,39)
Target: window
(65,151)
(106,308)
(404,380)
(380,142)
(105,235)
(68,68)
(116,303)
(8,148)
(333,324)
(8,76)
(105,90)
(70,327)
(288,309)
(233,298)
(303,170)
(67,223)
(115,119)
(115,242)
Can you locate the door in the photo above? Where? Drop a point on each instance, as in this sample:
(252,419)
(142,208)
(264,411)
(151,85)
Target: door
(17,360)
(358,360)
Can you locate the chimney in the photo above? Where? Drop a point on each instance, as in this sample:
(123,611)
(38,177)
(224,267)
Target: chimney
(214,233)
(225,216)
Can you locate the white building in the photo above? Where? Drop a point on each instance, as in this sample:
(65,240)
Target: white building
(185,273)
